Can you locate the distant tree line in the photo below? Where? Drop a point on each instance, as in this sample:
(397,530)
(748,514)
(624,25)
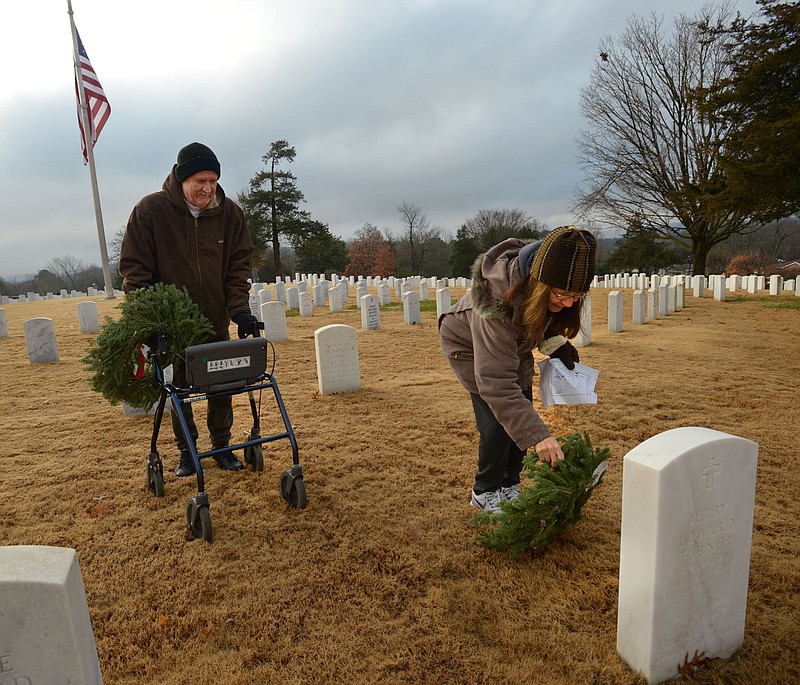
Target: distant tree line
(373,252)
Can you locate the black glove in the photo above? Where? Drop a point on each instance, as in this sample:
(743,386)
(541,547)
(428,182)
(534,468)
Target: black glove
(567,354)
(247,323)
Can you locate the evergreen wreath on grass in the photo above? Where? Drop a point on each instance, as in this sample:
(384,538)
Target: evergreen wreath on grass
(550,501)
(115,355)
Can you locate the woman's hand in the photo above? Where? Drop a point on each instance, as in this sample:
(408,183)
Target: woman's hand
(549,451)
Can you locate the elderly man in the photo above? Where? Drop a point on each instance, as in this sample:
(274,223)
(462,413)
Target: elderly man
(191,235)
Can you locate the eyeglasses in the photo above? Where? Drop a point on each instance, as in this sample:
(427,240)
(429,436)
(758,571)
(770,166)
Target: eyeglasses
(568,296)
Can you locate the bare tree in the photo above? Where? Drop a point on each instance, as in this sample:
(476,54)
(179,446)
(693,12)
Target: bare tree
(67,269)
(653,158)
(491,226)
(415,239)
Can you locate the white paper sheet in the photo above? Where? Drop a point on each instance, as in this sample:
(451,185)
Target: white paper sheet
(559,385)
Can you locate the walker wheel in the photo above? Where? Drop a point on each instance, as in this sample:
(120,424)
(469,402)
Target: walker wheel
(199,521)
(293,490)
(254,456)
(155,476)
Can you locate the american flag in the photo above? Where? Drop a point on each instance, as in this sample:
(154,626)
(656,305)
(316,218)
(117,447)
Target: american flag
(97,102)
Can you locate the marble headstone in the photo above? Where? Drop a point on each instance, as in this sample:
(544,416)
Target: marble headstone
(40,339)
(687,518)
(45,629)
(336,348)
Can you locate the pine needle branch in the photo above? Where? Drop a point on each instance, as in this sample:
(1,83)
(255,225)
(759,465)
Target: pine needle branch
(549,502)
(113,355)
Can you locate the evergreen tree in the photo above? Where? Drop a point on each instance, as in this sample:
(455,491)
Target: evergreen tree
(319,251)
(642,251)
(760,101)
(272,205)
(465,251)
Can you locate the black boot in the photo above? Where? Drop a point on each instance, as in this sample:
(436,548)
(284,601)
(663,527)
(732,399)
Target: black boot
(227,462)
(185,465)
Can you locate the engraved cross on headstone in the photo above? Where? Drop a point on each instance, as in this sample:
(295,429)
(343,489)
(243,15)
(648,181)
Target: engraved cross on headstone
(708,472)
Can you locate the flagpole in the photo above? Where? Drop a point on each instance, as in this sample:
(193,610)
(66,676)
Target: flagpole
(84,112)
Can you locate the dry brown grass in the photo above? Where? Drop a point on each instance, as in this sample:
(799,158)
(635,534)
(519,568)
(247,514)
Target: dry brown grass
(380,579)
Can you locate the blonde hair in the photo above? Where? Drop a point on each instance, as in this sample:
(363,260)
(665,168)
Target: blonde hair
(536,317)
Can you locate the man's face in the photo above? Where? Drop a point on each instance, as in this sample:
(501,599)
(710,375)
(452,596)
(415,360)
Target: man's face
(200,188)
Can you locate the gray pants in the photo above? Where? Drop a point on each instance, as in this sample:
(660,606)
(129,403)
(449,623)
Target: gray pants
(499,458)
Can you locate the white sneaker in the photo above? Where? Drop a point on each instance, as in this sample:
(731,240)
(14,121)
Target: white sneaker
(510,493)
(487,501)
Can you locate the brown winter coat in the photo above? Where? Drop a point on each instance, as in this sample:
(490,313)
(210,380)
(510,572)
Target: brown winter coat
(209,255)
(487,346)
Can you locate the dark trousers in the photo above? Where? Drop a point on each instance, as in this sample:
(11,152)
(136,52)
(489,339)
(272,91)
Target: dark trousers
(499,458)
(219,418)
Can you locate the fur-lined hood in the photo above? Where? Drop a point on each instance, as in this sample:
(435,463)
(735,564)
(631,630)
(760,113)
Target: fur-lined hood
(493,273)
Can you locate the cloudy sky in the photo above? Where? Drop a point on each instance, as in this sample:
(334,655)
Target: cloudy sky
(452,105)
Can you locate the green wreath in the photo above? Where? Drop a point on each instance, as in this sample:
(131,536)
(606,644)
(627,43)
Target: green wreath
(550,502)
(115,355)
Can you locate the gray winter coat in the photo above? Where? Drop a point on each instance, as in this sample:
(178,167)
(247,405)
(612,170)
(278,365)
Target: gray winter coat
(486,344)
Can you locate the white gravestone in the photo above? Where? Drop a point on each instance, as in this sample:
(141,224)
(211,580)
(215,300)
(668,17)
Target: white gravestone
(255,306)
(292,298)
(638,307)
(370,313)
(698,286)
(335,300)
(45,629)
(318,295)
(384,298)
(336,349)
(3,324)
(680,297)
(306,307)
(40,338)
(273,314)
(88,320)
(652,304)
(584,336)
(719,290)
(687,520)
(443,301)
(128,410)
(411,312)
(361,291)
(663,300)
(614,311)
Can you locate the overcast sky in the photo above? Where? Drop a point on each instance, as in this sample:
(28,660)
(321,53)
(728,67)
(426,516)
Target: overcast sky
(452,105)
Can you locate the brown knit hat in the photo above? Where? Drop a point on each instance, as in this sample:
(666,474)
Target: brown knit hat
(566,259)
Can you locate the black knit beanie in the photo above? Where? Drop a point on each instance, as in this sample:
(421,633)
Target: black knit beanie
(566,259)
(193,158)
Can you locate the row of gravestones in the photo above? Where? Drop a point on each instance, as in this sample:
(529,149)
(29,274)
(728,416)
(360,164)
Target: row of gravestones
(717,283)
(337,292)
(36,297)
(688,498)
